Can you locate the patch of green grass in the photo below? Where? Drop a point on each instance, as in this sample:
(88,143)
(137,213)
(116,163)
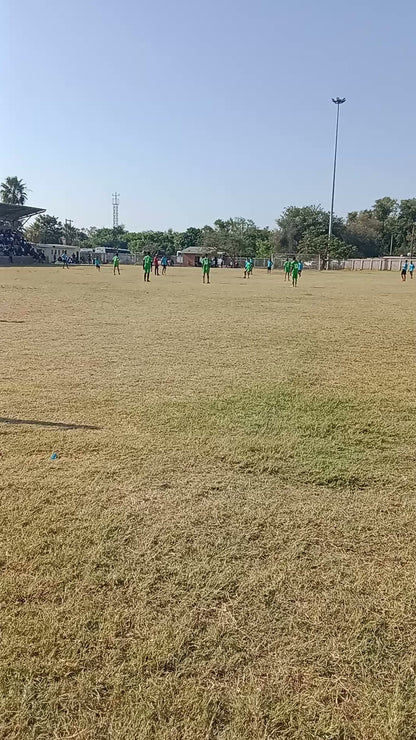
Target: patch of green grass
(298,435)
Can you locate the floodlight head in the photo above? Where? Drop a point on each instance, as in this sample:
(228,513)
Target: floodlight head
(338,101)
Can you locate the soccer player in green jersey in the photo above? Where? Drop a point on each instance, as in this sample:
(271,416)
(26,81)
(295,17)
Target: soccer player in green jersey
(287,268)
(247,268)
(116,264)
(206,266)
(147,266)
(295,273)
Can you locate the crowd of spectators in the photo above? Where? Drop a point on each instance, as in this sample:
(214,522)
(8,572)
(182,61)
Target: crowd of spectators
(13,244)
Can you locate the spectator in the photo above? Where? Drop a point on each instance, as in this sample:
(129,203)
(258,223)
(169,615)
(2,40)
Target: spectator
(13,244)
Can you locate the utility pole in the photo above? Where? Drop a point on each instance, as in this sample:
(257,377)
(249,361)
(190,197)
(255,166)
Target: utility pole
(338,102)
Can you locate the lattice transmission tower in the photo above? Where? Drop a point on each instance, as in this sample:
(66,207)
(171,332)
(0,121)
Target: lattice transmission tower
(116,201)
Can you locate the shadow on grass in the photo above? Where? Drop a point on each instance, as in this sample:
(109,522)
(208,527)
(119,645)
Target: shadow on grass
(35,422)
(11,321)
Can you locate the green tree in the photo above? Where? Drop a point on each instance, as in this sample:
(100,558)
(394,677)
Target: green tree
(211,239)
(245,236)
(338,249)
(364,231)
(406,223)
(385,208)
(265,243)
(13,191)
(297,224)
(276,242)
(385,211)
(45,230)
(73,236)
(238,237)
(106,237)
(153,241)
(189,238)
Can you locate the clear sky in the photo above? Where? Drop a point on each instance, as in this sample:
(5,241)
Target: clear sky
(199,110)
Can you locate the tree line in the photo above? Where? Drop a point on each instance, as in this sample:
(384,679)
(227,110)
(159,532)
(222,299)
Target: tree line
(387,227)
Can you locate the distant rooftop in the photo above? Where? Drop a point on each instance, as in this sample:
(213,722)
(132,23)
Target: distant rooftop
(197,250)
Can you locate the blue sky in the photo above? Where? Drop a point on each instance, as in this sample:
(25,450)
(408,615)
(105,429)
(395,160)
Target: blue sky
(201,110)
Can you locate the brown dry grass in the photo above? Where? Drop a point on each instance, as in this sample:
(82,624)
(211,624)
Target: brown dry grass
(231,554)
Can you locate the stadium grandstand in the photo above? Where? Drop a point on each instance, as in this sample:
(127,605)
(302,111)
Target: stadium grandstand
(12,241)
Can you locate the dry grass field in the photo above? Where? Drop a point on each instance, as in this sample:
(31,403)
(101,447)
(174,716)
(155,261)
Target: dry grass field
(225,546)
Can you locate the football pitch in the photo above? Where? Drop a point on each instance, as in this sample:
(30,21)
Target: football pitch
(224,547)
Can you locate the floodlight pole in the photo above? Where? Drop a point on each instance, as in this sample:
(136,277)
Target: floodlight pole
(338,102)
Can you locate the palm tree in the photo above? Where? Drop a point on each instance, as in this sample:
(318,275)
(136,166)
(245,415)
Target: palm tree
(13,191)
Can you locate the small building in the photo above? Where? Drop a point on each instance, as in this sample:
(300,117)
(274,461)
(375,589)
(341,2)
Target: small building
(106,254)
(192,256)
(53,252)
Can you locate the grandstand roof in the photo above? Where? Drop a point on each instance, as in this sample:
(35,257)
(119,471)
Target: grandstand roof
(10,212)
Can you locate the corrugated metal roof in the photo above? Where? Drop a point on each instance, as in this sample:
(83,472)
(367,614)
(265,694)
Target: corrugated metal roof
(196,250)
(10,212)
